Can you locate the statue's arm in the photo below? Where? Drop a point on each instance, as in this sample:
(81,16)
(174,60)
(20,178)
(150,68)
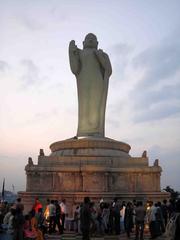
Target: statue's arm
(74,58)
(104,62)
(108,67)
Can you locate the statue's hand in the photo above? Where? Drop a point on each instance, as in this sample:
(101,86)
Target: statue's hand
(72,43)
(99,52)
(72,46)
(74,57)
(100,56)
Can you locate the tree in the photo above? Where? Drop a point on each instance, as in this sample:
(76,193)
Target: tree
(174,194)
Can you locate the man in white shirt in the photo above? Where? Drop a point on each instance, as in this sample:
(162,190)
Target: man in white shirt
(52,214)
(151,216)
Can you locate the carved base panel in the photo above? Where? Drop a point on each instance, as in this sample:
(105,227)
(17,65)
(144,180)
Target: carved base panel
(126,180)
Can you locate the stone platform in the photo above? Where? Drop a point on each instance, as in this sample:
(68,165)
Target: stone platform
(94,167)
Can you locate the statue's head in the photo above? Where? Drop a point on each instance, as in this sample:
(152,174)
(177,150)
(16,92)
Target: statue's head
(90,41)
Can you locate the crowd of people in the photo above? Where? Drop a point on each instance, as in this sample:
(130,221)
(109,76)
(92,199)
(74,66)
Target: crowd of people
(90,219)
(121,217)
(15,225)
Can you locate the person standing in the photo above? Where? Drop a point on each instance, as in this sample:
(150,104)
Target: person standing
(171,208)
(18,224)
(57,218)
(52,214)
(77,219)
(151,216)
(177,232)
(85,219)
(164,209)
(8,221)
(116,210)
(63,212)
(19,205)
(140,213)
(160,219)
(122,214)
(105,217)
(173,226)
(41,221)
(37,205)
(128,218)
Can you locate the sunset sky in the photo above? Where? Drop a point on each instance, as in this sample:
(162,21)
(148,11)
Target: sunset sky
(38,91)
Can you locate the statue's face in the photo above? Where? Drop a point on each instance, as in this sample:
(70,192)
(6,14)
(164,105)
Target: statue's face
(90,41)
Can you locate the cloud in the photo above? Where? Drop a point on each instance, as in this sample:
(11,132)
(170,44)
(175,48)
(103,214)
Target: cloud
(121,49)
(169,161)
(45,115)
(156,94)
(32,23)
(158,112)
(121,55)
(113,122)
(34,20)
(152,97)
(31,72)
(31,17)
(3,66)
(159,63)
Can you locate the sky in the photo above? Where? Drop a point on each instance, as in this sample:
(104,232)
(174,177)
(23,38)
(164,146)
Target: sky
(38,91)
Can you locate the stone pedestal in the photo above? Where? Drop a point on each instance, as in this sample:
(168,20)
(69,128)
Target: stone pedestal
(98,168)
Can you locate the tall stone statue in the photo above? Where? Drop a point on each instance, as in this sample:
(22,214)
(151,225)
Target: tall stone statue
(92,69)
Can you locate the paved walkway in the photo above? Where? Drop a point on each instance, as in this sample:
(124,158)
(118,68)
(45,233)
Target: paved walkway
(74,236)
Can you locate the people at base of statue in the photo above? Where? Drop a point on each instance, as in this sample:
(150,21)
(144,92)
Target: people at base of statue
(140,214)
(63,213)
(128,219)
(85,219)
(34,226)
(37,205)
(96,219)
(52,215)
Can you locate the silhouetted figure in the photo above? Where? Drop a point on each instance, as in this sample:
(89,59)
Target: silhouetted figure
(140,213)
(164,209)
(177,233)
(63,212)
(57,218)
(18,223)
(128,218)
(85,218)
(19,204)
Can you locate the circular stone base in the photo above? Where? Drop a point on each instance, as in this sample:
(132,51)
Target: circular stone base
(90,147)
(105,143)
